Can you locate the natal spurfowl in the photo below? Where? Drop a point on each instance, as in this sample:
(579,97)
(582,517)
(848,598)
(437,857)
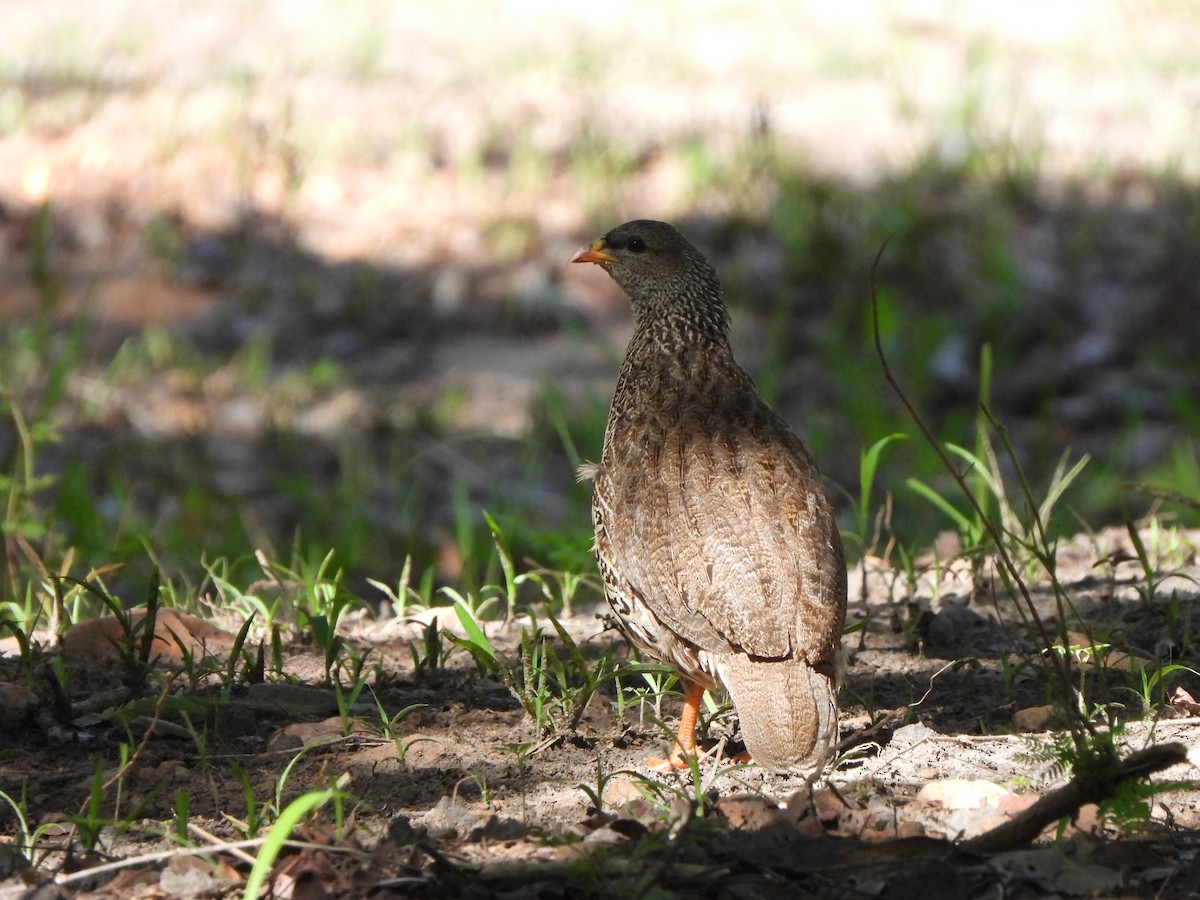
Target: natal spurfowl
(715,539)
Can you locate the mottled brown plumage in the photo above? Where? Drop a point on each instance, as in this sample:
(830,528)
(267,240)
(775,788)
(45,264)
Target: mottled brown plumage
(717,545)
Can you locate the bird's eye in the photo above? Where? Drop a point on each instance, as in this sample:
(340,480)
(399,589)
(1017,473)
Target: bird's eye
(636,245)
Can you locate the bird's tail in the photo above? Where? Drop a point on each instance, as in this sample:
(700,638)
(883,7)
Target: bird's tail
(788,711)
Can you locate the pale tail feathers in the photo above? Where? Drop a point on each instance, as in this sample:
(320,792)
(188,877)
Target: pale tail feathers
(788,711)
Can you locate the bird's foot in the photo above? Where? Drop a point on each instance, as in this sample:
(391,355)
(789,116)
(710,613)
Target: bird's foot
(679,759)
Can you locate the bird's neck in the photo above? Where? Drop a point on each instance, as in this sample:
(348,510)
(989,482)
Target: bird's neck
(664,337)
(672,321)
(678,356)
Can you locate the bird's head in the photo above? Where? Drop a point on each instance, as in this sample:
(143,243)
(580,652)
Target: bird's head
(659,269)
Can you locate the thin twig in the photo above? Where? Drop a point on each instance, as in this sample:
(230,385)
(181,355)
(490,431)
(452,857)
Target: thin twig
(1062,666)
(888,719)
(226,847)
(241,854)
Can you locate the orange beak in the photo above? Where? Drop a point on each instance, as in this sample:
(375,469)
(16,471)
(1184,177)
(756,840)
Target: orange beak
(593,253)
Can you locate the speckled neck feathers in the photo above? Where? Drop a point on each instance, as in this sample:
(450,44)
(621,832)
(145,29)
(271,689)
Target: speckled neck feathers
(685,310)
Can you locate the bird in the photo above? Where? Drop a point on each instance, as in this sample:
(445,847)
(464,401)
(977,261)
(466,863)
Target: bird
(717,545)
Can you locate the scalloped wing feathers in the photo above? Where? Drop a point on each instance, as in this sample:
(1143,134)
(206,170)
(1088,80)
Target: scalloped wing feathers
(726,534)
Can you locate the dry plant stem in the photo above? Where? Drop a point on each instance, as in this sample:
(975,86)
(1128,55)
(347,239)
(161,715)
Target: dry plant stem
(1066,800)
(1077,723)
(213,840)
(218,847)
(149,623)
(888,719)
(1160,493)
(44,574)
(155,718)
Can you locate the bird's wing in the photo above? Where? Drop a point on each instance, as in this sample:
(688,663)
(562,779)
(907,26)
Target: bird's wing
(729,539)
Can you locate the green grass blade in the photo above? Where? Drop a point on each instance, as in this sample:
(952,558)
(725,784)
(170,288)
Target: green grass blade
(475,636)
(280,832)
(960,521)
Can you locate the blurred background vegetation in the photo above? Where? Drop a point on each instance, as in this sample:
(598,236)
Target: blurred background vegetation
(293,276)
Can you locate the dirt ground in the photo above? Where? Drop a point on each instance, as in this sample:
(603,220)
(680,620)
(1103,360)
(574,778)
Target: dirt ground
(468,799)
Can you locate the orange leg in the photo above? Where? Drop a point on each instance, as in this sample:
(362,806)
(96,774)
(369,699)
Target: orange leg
(685,737)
